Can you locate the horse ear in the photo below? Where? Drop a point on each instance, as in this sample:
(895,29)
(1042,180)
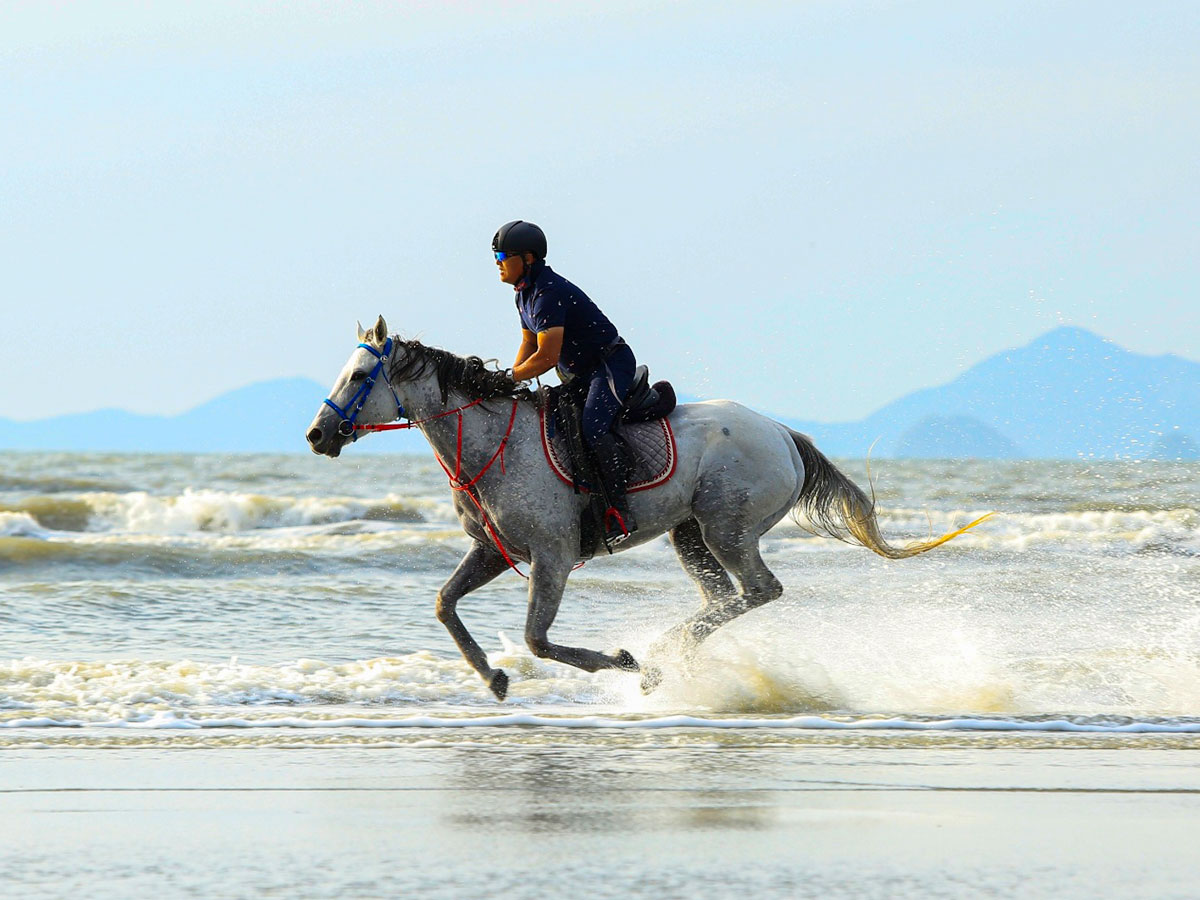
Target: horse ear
(362,335)
(380,331)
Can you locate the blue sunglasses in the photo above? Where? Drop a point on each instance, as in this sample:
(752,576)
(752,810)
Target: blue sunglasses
(501,256)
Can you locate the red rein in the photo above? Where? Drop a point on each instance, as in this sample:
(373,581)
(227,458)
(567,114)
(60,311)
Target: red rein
(456,480)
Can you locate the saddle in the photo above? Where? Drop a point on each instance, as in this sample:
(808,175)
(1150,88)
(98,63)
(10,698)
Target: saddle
(643,431)
(646,402)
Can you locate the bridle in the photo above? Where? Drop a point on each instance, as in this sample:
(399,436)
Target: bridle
(348,426)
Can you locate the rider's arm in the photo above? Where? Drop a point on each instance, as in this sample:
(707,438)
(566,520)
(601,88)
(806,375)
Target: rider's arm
(528,346)
(544,358)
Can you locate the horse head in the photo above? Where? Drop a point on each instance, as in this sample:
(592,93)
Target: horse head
(362,394)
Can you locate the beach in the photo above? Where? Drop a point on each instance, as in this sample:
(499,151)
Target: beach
(981,817)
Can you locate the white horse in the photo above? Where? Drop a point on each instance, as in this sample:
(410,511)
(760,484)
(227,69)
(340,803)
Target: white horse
(738,474)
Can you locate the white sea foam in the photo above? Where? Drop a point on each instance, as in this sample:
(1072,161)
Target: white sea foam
(212,517)
(915,649)
(20,524)
(206,512)
(214,511)
(226,511)
(1130,530)
(169,720)
(923,664)
(132,685)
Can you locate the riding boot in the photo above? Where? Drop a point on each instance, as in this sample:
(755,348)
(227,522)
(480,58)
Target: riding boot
(613,463)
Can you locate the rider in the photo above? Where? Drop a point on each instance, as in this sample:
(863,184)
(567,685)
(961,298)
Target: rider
(561,327)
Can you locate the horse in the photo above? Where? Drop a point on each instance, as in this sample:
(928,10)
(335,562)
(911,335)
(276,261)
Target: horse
(738,473)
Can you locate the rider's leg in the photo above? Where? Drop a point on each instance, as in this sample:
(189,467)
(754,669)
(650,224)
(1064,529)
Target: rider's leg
(607,389)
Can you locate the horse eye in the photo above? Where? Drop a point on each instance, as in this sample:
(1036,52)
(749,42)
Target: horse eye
(358,376)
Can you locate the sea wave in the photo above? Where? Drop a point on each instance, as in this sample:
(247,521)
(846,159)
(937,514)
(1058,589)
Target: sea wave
(58,484)
(20,525)
(134,688)
(211,511)
(170,720)
(278,552)
(1133,530)
(203,532)
(733,678)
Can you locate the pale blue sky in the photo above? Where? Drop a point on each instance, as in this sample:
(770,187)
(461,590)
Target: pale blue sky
(810,207)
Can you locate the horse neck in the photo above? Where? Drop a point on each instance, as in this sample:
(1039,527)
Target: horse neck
(483,427)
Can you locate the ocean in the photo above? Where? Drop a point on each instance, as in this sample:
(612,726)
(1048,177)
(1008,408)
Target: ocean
(256,597)
(278,611)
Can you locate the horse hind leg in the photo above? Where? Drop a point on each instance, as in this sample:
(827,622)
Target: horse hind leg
(709,555)
(710,577)
(700,564)
(737,550)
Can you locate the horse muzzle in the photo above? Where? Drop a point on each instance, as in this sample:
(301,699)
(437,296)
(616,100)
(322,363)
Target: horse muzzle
(327,441)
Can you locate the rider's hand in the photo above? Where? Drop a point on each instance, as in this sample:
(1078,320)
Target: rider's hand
(519,383)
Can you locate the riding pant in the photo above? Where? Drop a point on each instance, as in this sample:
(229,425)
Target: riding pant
(607,385)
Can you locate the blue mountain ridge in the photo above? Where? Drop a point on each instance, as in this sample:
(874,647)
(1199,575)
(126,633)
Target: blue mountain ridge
(265,417)
(1067,394)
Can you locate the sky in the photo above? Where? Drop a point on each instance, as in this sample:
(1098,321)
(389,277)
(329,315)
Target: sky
(811,207)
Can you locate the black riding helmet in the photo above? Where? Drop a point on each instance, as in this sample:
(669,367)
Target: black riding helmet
(520,237)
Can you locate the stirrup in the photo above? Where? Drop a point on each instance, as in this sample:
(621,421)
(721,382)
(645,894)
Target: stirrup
(611,536)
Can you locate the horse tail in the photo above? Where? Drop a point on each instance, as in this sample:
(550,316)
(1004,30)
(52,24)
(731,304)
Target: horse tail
(835,506)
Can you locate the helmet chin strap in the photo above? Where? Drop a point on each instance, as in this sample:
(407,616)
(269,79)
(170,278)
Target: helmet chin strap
(524,273)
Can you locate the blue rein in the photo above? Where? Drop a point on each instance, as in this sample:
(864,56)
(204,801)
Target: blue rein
(347,426)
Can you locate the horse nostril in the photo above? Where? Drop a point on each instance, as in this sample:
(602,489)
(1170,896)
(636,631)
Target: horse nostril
(314,435)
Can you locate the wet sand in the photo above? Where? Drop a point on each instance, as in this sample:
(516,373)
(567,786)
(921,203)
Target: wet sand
(996,817)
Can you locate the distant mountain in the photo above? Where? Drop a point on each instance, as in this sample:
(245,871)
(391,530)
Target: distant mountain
(945,437)
(267,417)
(1068,394)
(1176,447)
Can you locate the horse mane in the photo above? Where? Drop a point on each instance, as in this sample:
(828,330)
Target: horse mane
(468,375)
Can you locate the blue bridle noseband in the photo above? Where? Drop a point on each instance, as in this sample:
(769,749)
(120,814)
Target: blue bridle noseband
(346,427)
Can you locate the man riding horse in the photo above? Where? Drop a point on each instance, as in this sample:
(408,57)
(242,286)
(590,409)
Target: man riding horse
(562,328)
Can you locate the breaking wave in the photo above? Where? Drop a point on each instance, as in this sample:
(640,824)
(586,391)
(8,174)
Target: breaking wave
(1135,531)
(208,511)
(168,720)
(213,512)
(736,683)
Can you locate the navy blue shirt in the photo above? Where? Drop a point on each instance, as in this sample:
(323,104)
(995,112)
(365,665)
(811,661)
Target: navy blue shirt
(546,300)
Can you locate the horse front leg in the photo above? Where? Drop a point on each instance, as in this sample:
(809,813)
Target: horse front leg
(547,580)
(477,568)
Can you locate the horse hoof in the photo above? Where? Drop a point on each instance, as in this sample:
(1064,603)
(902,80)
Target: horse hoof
(652,677)
(626,662)
(498,684)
